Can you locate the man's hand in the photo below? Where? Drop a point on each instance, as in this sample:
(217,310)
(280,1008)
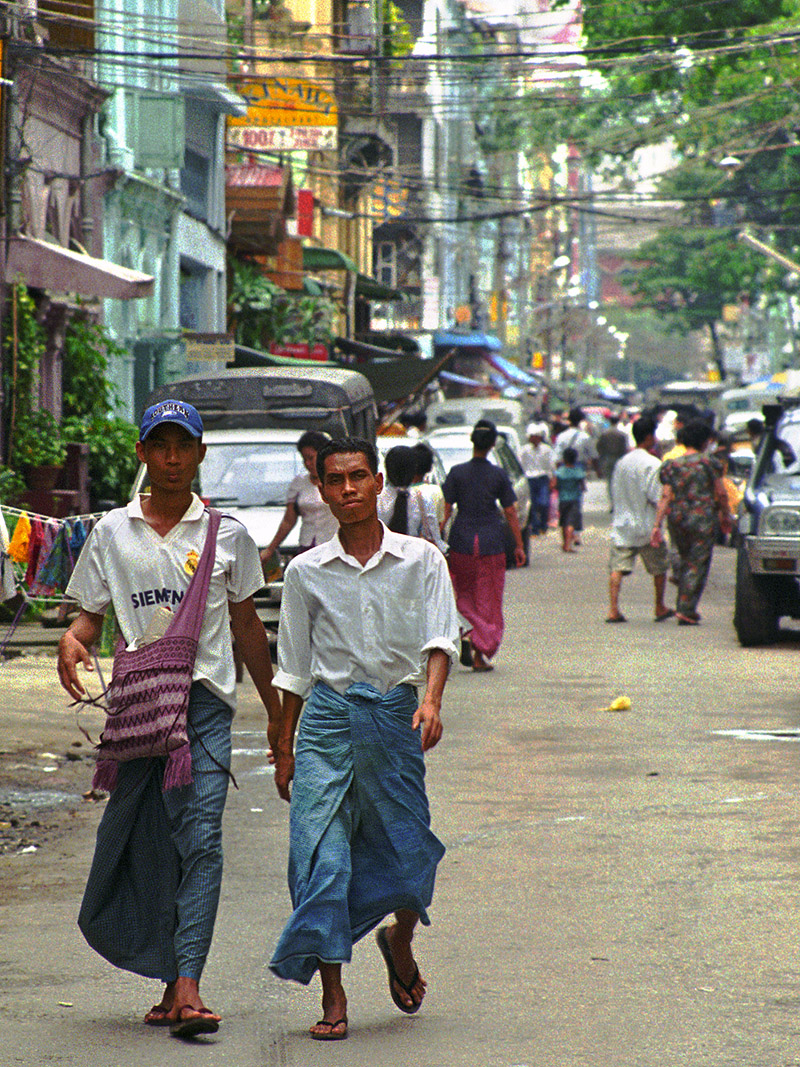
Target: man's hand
(427,716)
(70,653)
(519,556)
(656,537)
(284,771)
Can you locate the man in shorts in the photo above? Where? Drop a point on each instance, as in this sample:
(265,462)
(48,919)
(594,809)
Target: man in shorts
(636,491)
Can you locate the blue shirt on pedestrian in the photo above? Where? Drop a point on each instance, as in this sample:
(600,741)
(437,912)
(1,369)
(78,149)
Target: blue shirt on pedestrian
(570,482)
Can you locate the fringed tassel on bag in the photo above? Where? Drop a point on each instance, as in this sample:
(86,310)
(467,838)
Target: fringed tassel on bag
(179,768)
(105,775)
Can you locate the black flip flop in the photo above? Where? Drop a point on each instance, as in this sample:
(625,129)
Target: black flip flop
(383,944)
(616,618)
(331,1036)
(199,1023)
(669,614)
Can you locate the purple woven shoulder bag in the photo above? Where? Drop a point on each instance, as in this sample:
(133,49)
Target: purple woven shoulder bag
(148,696)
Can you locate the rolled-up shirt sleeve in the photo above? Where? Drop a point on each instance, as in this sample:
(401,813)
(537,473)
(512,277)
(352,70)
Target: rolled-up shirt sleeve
(441,618)
(294,639)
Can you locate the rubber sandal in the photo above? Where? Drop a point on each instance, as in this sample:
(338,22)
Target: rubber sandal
(669,614)
(383,944)
(616,618)
(331,1036)
(200,1022)
(158,1016)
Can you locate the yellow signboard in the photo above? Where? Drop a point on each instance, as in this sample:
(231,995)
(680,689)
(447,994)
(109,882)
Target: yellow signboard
(285,113)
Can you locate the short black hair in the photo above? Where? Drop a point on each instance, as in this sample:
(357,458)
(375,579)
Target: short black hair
(484,435)
(346,446)
(696,434)
(424,456)
(644,426)
(570,456)
(575,416)
(315,439)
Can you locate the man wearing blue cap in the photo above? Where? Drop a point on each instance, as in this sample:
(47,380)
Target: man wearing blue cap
(152,895)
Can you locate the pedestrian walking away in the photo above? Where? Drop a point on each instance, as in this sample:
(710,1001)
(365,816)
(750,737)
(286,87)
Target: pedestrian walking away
(695,504)
(569,481)
(402,505)
(365,620)
(637,490)
(537,462)
(477,543)
(612,444)
(586,456)
(151,899)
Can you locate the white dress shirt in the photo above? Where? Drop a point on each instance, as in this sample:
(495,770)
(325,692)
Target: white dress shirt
(343,623)
(636,489)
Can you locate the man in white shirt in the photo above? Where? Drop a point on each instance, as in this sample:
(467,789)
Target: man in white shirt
(365,619)
(537,462)
(151,899)
(637,490)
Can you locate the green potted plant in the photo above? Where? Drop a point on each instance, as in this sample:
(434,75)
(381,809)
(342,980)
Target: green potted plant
(38,449)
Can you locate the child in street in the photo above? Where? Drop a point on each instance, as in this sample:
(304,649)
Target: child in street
(569,481)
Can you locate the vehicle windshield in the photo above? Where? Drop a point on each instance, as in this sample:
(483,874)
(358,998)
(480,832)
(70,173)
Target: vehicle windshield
(783,460)
(251,474)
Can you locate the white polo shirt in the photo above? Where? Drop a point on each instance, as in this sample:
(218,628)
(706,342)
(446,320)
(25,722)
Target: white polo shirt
(343,623)
(125,562)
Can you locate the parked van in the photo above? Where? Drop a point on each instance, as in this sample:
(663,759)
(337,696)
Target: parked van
(338,401)
(252,421)
(737,406)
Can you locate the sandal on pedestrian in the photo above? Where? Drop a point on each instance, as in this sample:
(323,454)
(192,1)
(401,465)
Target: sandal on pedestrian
(331,1034)
(201,1021)
(616,618)
(394,978)
(687,620)
(668,614)
(158,1016)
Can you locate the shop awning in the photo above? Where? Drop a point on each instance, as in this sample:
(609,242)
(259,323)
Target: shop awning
(326,259)
(332,259)
(512,371)
(372,289)
(468,339)
(42,265)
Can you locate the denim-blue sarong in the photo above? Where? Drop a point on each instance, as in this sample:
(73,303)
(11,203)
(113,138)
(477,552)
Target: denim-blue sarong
(360,839)
(151,898)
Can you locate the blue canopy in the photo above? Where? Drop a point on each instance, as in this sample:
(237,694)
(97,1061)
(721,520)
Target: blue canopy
(459,379)
(468,339)
(512,371)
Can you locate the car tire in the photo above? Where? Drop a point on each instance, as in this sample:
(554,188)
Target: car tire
(756,611)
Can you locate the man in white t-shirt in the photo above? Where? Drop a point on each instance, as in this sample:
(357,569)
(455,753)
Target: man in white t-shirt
(365,620)
(537,461)
(152,894)
(637,490)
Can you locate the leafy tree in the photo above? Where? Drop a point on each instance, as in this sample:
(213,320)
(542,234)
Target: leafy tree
(688,274)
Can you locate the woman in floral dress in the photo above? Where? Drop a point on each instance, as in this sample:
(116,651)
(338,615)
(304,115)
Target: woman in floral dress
(695,505)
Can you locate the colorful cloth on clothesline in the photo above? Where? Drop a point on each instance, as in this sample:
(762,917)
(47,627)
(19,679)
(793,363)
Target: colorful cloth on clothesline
(18,546)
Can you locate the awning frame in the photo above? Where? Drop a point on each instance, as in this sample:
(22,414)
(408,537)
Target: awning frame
(43,265)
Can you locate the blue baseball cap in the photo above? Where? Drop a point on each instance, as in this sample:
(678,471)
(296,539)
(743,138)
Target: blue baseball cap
(176,411)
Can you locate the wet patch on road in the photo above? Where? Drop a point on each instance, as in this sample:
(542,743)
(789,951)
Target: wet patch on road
(788,734)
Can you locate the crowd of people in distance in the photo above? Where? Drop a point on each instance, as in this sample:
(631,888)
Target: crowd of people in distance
(662,470)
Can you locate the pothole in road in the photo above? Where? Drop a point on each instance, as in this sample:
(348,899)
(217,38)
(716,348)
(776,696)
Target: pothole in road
(791,734)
